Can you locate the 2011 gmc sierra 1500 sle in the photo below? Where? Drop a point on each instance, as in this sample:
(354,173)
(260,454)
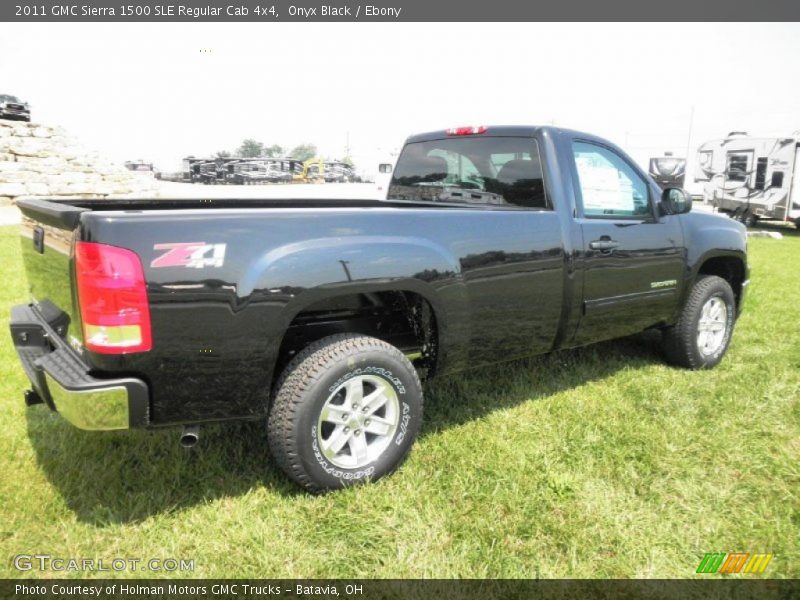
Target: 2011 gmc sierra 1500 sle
(320,317)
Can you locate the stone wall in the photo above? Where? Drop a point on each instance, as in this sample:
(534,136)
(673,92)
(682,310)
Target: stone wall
(38,161)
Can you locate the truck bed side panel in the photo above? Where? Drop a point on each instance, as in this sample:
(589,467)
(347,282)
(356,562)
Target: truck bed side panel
(493,277)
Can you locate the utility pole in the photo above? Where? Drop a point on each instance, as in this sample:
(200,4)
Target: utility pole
(689,137)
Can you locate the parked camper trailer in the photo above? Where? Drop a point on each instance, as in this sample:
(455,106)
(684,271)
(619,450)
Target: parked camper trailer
(338,172)
(668,171)
(246,171)
(140,166)
(752,178)
(204,170)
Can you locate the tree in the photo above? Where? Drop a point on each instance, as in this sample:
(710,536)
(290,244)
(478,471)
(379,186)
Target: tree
(222,154)
(250,149)
(304,151)
(273,151)
(348,161)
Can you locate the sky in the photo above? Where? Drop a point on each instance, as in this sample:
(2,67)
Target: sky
(163,91)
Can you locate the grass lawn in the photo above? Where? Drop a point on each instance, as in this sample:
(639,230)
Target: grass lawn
(601,462)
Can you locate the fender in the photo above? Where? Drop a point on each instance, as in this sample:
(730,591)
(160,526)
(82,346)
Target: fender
(321,268)
(710,236)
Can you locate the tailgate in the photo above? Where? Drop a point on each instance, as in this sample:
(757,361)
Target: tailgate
(47,235)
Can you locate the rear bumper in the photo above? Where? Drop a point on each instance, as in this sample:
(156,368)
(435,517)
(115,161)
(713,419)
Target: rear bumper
(62,380)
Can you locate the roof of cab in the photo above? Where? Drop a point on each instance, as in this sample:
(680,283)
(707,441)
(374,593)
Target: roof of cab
(545,131)
(491,130)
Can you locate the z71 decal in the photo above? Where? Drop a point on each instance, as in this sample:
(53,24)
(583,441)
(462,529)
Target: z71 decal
(194,255)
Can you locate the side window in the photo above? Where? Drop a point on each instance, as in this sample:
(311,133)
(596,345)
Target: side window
(608,184)
(738,166)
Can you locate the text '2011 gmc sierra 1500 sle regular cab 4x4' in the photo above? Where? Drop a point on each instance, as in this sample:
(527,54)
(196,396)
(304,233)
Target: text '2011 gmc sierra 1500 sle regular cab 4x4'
(319,317)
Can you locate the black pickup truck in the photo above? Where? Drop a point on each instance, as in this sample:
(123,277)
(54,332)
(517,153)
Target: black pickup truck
(320,317)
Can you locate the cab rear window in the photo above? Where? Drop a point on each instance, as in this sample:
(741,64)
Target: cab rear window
(503,171)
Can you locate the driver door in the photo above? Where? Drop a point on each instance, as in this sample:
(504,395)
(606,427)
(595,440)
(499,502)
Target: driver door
(632,259)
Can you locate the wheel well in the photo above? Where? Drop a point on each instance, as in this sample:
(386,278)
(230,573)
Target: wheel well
(730,268)
(404,319)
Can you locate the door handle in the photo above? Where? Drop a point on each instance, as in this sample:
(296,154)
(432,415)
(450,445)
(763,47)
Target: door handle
(605,244)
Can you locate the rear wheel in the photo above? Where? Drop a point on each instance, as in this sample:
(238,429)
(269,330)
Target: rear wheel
(703,332)
(346,409)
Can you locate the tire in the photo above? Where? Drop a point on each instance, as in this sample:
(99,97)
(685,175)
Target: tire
(311,449)
(682,342)
(749,219)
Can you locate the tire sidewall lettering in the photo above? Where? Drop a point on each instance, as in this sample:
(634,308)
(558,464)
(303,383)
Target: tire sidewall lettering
(402,427)
(371,370)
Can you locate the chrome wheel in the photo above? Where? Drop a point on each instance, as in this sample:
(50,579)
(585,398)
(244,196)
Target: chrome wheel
(713,326)
(358,421)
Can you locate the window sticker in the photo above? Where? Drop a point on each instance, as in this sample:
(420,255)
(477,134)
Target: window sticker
(602,185)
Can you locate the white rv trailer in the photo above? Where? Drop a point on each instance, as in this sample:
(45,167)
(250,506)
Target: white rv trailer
(378,173)
(752,178)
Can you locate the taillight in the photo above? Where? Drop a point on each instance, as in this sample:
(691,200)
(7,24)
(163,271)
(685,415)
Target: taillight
(472,130)
(113,299)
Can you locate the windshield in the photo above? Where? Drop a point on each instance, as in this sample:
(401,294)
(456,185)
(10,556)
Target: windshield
(7,98)
(472,170)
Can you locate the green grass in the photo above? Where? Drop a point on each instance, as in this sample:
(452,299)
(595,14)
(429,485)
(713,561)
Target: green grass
(601,462)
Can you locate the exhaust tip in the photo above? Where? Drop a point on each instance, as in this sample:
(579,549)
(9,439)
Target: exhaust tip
(32,398)
(190,436)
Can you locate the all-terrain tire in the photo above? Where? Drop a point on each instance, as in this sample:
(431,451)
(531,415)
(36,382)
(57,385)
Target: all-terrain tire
(321,376)
(682,343)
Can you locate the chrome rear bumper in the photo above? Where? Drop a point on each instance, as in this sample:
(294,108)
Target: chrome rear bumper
(61,379)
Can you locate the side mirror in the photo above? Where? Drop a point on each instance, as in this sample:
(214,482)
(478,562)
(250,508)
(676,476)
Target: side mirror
(675,201)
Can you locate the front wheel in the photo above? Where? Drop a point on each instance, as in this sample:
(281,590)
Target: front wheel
(703,332)
(347,409)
